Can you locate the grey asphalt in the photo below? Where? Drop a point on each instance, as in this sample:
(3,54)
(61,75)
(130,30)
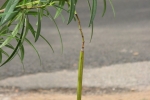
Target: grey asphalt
(116,40)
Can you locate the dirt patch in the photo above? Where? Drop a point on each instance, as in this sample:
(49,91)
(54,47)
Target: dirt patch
(70,94)
(59,96)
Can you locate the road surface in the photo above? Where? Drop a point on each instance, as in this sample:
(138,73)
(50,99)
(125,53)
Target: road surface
(116,40)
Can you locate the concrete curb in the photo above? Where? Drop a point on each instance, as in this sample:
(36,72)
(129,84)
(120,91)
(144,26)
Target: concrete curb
(130,75)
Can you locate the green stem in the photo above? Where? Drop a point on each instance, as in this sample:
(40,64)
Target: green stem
(80,75)
(81,62)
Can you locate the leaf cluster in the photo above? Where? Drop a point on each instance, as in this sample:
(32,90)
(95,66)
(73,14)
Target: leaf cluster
(16,13)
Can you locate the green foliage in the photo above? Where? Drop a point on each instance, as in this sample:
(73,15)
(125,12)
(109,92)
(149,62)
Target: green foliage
(17,12)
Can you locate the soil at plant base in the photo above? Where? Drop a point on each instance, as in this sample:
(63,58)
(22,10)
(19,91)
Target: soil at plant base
(59,96)
(70,94)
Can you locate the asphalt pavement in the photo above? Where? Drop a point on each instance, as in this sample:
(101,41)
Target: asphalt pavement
(117,40)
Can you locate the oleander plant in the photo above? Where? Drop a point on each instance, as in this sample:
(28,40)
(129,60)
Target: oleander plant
(15,25)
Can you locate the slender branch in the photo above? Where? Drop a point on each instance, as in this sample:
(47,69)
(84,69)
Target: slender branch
(33,7)
(30,5)
(80,28)
(81,62)
(25,7)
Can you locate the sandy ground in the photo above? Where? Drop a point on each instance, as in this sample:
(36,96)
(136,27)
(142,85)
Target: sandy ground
(60,96)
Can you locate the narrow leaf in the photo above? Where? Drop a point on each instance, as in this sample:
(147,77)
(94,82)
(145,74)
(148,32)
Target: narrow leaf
(76,1)
(47,43)
(33,48)
(72,10)
(104,10)
(93,11)
(4,52)
(89,5)
(22,52)
(51,17)
(33,33)
(15,50)
(4,30)
(11,47)
(92,32)
(4,5)
(112,7)
(14,33)
(92,22)
(0,56)
(38,26)
(5,13)
(9,8)
(59,10)
(12,15)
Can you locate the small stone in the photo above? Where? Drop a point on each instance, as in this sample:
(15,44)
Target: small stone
(123,51)
(6,98)
(133,89)
(135,53)
(74,65)
(113,89)
(16,90)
